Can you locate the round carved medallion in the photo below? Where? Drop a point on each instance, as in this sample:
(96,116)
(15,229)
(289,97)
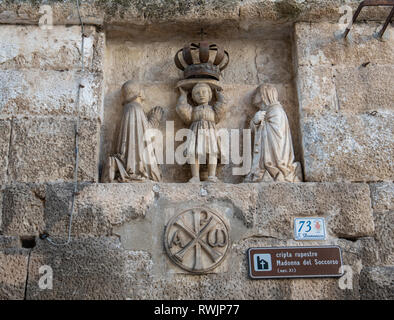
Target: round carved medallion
(197,240)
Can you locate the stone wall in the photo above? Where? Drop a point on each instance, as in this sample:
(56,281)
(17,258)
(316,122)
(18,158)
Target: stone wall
(39,72)
(346,103)
(339,99)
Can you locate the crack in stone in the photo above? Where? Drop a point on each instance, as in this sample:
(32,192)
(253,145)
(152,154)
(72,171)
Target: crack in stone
(27,275)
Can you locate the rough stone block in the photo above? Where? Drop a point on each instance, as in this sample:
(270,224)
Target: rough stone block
(236,284)
(7,242)
(339,147)
(49,93)
(13,273)
(377,283)
(91,268)
(317,44)
(1,208)
(384,237)
(30,47)
(346,208)
(365,89)
(23,210)
(43,148)
(382,195)
(316,89)
(99,207)
(5,134)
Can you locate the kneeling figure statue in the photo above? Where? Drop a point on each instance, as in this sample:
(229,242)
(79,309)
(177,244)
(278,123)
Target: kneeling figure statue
(273,155)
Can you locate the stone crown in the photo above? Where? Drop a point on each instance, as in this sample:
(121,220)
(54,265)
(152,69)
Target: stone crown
(200,60)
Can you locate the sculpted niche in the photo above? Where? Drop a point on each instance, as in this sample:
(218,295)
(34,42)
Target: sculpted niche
(201,106)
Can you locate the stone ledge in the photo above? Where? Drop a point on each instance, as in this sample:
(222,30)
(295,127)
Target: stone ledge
(148,11)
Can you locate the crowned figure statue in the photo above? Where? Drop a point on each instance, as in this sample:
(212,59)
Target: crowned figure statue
(207,106)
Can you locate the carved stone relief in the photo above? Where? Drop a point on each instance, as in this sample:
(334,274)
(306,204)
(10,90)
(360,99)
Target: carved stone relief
(135,159)
(273,155)
(197,240)
(202,72)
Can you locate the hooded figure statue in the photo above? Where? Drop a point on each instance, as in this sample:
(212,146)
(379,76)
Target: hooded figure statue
(135,158)
(273,155)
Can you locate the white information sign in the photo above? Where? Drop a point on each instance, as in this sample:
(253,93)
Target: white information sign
(309,229)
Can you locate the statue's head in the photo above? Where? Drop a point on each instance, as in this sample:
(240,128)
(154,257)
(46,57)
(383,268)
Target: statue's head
(266,95)
(131,91)
(202,93)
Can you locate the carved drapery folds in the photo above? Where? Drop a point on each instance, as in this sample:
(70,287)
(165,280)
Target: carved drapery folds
(135,159)
(273,155)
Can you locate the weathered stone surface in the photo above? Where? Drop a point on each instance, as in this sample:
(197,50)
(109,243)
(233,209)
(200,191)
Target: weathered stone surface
(346,208)
(346,103)
(49,93)
(339,147)
(265,210)
(5,134)
(236,284)
(30,47)
(23,210)
(85,269)
(7,242)
(255,61)
(260,215)
(100,268)
(1,207)
(99,207)
(365,89)
(377,283)
(13,273)
(42,150)
(346,287)
(318,45)
(382,196)
(384,237)
(316,89)
(145,12)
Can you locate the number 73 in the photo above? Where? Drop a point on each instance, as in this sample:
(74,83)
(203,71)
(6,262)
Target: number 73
(308,224)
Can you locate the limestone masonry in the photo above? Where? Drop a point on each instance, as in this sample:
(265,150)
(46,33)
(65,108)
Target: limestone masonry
(313,114)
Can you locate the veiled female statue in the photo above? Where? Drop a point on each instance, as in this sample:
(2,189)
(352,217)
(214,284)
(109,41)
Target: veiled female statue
(135,158)
(273,155)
